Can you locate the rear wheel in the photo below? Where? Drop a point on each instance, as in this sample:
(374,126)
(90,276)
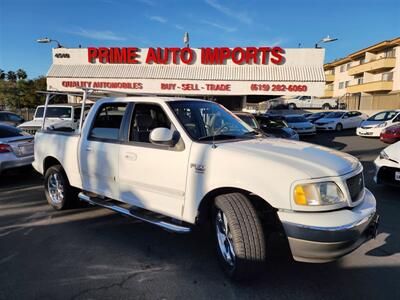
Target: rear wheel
(339,127)
(59,193)
(326,106)
(239,236)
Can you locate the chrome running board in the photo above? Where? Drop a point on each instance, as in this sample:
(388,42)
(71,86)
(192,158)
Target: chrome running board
(134,213)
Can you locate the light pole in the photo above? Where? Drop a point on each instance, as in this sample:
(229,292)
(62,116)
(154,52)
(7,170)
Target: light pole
(326,39)
(186,39)
(47,41)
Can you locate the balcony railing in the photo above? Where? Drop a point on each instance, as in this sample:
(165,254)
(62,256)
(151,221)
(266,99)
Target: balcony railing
(374,86)
(329,77)
(373,66)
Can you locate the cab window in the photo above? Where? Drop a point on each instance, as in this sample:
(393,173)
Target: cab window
(145,118)
(108,121)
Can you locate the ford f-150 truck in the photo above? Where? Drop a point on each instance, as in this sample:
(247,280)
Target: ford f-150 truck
(178,163)
(311,102)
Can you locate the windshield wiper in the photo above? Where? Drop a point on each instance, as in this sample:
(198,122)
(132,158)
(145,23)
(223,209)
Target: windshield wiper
(217,137)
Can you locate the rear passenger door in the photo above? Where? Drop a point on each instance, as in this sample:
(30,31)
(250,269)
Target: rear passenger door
(98,152)
(152,176)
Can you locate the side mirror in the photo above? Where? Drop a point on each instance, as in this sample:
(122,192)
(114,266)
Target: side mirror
(164,137)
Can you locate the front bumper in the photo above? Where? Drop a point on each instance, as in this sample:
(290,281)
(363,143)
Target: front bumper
(327,236)
(305,131)
(15,162)
(369,132)
(385,172)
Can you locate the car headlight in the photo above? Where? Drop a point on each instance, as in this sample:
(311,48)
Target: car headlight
(380,125)
(383,155)
(317,194)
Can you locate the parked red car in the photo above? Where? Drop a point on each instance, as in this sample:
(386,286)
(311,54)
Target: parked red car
(391,134)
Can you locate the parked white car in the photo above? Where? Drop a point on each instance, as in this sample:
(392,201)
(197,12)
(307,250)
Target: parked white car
(311,102)
(61,116)
(191,162)
(300,124)
(339,120)
(387,165)
(373,126)
(16,148)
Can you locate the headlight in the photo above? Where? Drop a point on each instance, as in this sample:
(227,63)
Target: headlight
(383,155)
(381,125)
(316,194)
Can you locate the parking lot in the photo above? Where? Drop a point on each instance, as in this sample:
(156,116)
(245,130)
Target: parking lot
(89,252)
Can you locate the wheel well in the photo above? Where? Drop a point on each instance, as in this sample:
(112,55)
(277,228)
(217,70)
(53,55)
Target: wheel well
(49,162)
(265,211)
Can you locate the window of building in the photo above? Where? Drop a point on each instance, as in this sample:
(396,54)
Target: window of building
(108,121)
(342,68)
(341,85)
(346,84)
(390,53)
(348,66)
(388,76)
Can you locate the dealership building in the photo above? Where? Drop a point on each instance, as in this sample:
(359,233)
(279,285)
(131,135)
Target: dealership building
(231,76)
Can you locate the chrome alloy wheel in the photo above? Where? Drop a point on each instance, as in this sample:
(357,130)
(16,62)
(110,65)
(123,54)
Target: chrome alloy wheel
(55,188)
(224,237)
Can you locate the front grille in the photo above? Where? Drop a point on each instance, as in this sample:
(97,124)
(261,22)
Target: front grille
(30,130)
(355,185)
(388,175)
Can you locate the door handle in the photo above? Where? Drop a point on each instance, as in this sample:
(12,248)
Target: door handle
(88,149)
(130,156)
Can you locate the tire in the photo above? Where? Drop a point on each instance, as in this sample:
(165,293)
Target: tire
(59,193)
(326,106)
(292,106)
(242,251)
(339,127)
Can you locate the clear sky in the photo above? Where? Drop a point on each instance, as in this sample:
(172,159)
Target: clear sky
(155,23)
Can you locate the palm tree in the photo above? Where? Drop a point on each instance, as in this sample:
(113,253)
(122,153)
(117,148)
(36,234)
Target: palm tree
(21,74)
(11,76)
(2,74)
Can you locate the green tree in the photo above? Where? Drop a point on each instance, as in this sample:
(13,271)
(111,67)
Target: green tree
(2,74)
(21,74)
(11,76)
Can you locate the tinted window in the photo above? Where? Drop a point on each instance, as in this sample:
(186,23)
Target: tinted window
(54,112)
(8,131)
(3,117)
(296,119)
(383,116)
(14,118)
(108,121)
(145,118)
(335,115)
(270,123)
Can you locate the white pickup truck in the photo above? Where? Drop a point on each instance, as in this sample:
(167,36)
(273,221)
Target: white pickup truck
(177,163)
(311,102)
(61,116)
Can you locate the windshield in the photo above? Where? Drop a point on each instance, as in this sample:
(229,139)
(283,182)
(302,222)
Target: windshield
(249,120)
(296,119)
(54,112)
(335,115)
(383,116)
(272,123)
(207,121)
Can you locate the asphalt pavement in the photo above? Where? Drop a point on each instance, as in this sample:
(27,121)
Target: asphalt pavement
(93,253)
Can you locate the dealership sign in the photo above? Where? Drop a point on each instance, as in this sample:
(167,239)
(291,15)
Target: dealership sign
(190,71)
(209,56)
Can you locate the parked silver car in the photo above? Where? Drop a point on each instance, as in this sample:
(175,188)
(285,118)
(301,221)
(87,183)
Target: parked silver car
(16,148)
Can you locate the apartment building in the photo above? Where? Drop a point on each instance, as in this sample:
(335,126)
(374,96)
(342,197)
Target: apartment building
(372,71)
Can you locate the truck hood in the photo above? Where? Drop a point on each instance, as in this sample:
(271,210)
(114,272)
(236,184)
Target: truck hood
(49,122)
(312,160)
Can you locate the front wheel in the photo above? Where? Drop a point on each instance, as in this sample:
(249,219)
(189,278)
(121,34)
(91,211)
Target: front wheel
(339,127)
(326,106)
(239,236)
(59,193)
